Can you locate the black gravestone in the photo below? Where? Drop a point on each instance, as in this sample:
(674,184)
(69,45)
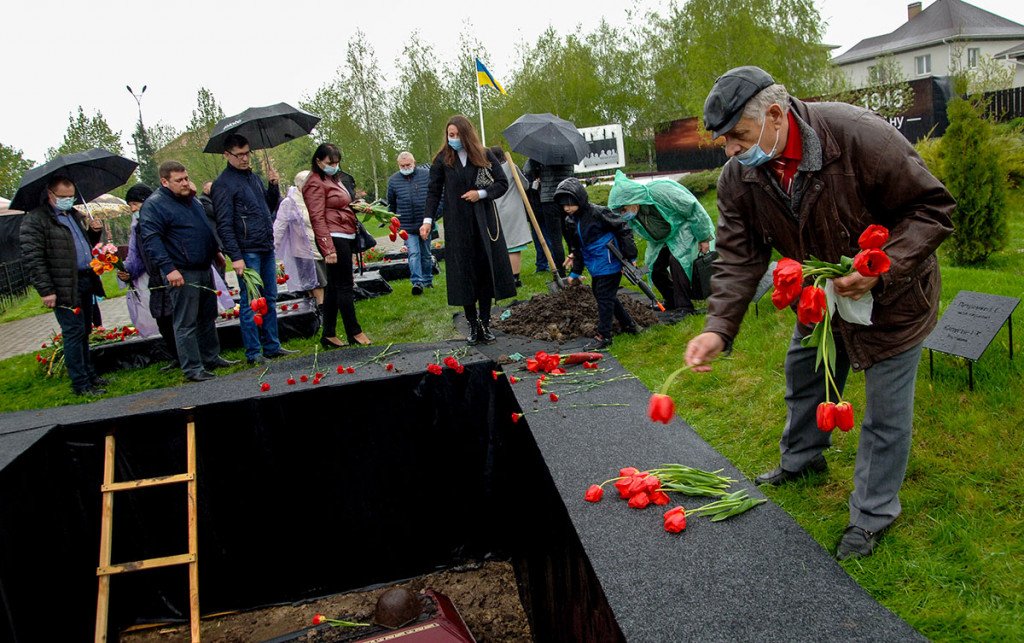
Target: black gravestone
(970,323)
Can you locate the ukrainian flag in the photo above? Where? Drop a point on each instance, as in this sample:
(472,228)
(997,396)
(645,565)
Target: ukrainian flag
(485,79)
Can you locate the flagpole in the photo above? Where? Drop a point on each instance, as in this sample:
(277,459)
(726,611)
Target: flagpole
(479,102)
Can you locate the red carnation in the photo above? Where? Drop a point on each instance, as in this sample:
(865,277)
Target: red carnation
(513,379)
(304,378)
(318,619)
(494,374)
(434,369)
(350,370)
(516,417)
(291,380)
(341,369)
(389,367)
(553,397)
(295,306)
(265,386)
(77,310)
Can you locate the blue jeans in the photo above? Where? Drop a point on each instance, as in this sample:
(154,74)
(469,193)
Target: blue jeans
(260,339)
(886,424)
(421,263)
(75,331)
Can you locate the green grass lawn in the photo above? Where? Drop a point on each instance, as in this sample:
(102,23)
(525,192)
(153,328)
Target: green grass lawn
(31,305)
(952,565)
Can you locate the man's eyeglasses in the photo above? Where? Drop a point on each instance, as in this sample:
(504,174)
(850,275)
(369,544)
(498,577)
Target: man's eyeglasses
(241,155)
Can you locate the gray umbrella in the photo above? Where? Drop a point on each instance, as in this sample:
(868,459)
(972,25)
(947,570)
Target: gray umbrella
(547,139)
(94,173)
(265,127)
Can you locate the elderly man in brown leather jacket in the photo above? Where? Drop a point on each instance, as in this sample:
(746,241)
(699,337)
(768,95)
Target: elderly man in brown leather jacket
(807,179)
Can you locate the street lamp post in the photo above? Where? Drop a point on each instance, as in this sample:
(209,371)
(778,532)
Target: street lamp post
(138,101)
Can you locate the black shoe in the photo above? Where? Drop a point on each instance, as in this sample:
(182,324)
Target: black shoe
(417,289)
(99,381)
(329,345)
(220,362)
(486,336)
(781,476)
(91,390)
(857,542)
(202,376)
(258,360)
(281,352)
(599,343)
(474,333)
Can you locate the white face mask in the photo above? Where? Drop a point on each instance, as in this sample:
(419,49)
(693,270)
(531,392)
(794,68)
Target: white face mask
(406,171)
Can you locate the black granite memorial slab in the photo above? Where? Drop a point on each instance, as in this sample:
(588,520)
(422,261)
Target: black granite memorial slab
(970,323)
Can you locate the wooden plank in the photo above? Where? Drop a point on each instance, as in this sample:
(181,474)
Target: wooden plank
(106,544)
(193,529)
(142,483)
(149,563)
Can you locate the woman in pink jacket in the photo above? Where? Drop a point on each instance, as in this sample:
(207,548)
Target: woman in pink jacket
(334,226)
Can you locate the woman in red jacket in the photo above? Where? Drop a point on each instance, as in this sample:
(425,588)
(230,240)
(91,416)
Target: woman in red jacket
(334,226)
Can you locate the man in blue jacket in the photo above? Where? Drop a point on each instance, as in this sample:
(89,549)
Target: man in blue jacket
(407,196)
(245,222)
(179,241)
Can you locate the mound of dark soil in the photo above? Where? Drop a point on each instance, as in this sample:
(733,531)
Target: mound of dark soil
(567,314)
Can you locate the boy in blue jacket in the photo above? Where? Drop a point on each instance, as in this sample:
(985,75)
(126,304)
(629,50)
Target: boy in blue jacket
(588,229)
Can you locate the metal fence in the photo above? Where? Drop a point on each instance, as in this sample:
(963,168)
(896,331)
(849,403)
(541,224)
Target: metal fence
(1005,104)
(13,284)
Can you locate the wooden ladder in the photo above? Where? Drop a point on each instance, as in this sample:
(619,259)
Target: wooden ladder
(106,569)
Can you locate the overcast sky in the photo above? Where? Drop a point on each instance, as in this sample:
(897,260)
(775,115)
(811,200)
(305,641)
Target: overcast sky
(61,54)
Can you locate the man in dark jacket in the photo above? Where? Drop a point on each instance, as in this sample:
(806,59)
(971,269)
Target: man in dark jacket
(407,195)
(56,247)
(545,179)
(808,179)
(245,222)
(178,239)
(588,230)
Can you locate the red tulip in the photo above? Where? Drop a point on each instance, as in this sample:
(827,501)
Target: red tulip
(77,310)
(395,222)
(403,234)
(844,416)
(623,487)
(636,484)
(661,408)
(392,236)
(826,416)
(629,471)
(516,417)
(594,493)
(639,501)
(675,520)
(660,498)
(811,308)
(553,397)
(258,319)
(787,273)
(651,484)
(784,296)
(871,262)
(291,380)
(265,386)
(874,236)
(318,619)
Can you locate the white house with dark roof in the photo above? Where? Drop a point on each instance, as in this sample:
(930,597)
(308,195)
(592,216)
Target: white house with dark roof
(931,39)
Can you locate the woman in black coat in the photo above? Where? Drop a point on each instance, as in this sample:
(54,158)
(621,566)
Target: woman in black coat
(477,270)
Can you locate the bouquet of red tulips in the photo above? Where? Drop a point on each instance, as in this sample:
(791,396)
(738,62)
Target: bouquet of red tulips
(815,305)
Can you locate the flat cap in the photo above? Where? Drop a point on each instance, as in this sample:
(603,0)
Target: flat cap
(729,95)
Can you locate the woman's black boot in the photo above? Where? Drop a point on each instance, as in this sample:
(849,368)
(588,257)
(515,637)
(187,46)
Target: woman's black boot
(486,336)
(474,333)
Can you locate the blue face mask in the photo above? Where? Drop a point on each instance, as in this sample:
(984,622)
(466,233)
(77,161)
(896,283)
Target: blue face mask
(406,171)
(629,215)
(455,143)
(330,170)
(65,203)
(755,156)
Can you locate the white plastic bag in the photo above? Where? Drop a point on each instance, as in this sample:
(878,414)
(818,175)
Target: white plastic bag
(854,311)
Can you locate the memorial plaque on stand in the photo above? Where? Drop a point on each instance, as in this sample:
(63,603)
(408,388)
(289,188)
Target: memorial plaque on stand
(969,325)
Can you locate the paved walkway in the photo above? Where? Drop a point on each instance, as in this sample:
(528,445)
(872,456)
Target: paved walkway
(27,335)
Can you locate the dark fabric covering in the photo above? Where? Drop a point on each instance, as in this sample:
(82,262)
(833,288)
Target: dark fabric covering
(10,237)
(468,231)
(48,253)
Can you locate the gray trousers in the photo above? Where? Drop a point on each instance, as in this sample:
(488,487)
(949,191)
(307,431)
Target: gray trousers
(886,426)
(195,321)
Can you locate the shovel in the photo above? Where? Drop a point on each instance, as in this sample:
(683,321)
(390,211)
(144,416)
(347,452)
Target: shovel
(558,282)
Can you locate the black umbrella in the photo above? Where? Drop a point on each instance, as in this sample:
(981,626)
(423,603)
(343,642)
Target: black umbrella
(547,139)
(94,173)
(265,127)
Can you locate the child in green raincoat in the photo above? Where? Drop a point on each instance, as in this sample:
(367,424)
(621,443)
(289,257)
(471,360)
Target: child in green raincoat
(676,228)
